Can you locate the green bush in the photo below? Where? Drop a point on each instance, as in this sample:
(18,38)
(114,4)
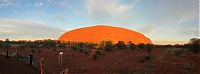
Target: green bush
(178,52)
(81,44)
(106,45)
(141,45)
(91,45)
(149,48)
(194,46)
(131,45)
(120,45)
(96,54)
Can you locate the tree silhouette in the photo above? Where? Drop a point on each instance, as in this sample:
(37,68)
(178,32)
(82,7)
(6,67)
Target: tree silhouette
(106,45)
(131,45)
(194,45)
(141,45)
(6,45)
(121,45)
(149,48)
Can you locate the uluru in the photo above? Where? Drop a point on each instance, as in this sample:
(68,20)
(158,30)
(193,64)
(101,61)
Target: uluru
(98,33)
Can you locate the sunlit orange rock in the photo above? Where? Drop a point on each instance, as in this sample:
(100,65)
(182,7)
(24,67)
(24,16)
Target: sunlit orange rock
(99,33)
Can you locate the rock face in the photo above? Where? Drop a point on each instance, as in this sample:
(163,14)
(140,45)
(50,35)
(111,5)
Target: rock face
(99,33)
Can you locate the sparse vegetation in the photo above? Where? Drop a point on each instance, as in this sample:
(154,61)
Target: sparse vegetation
(130,61)
(106,45)
(178,52)
(6,45)
(194,45)
(141,45)
(121,45)
(131,45)
(149,48)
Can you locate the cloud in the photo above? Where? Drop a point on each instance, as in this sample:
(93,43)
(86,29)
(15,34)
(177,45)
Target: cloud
(176,11)
(60,3)
(27,29)
(163,42)
(37,4)
(147,29)
(60,18)
(171,19)
(107,10)
(5,3)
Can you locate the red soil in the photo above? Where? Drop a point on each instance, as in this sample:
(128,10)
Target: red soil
(117,61)
(11,66)
(121,61)
(99,33)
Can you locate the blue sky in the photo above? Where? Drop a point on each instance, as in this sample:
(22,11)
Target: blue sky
(163,21)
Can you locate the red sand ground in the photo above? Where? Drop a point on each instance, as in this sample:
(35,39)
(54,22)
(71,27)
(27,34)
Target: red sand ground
(99,33)
(11,66)
(118,61)
(121,61)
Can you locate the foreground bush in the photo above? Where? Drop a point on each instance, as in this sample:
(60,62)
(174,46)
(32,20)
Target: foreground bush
(131,45)
(106,45)
(194,45)
(121,45)
(141,45)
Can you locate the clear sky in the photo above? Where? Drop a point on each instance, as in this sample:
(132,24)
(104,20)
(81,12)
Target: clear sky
(163,21)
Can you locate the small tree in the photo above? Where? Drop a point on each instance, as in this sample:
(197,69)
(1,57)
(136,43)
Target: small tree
(6,45)
(121,45)
(96,54)
(194,45)
(80,44)
(149,48)
(141,45)
(108,46)
(91,45)
(131,45)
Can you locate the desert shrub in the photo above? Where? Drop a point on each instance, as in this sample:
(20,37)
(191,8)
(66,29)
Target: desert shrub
(178,52)
(194,45)
(186,46)
(81,44)
(149,48)
(97,53)
(145,58)
(61,45)
(74,47)
(95,56)
(82,49)
(91,45)
(131,45)
(141,45)
(120,45)
(49,43)
(106,45)
(85,52)
(6,45)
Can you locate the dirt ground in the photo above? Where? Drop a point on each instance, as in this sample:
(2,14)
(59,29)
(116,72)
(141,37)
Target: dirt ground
(164,61)
(11,66)
(122,62)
